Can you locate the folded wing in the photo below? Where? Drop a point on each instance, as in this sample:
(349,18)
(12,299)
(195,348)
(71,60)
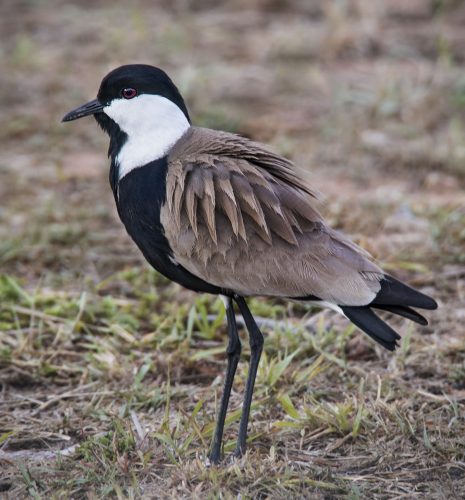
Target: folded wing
(239,217)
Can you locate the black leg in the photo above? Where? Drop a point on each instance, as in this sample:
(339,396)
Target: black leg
(234,352)
(256,347)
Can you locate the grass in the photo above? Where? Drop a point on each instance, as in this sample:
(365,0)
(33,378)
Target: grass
(111,376)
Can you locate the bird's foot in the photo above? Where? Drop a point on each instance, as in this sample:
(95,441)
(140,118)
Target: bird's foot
(214,456)
(239,452)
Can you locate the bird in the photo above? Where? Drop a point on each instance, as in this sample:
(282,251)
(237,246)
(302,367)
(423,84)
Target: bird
(221,214)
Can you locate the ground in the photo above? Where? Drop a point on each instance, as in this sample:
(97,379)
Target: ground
(110,376)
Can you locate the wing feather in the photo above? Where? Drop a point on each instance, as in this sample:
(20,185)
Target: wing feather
(190,202)
(227,205)
(280,225)
(250,206)
(208,208)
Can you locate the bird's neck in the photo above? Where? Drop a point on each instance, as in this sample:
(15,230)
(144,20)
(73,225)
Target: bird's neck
(148,146)
(152,125)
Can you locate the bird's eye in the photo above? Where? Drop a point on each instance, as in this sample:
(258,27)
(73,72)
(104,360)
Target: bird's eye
(129,93)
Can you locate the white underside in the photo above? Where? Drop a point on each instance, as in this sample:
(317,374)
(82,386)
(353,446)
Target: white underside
(153,125)
(328,305)
(225,301)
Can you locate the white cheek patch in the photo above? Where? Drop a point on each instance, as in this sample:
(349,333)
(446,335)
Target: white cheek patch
(152,123)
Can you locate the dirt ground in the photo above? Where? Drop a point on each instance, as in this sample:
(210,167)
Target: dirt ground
(110,376)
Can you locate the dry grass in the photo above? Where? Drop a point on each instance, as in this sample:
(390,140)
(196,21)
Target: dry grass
(111,376)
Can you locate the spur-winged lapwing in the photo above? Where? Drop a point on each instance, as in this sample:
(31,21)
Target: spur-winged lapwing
(220,214)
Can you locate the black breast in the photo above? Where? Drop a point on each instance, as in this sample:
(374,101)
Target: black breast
(139,196)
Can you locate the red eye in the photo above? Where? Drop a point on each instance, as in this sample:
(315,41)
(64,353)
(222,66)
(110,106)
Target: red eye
(129,93)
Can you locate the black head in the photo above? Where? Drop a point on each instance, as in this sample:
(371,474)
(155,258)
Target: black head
(112,108)
(132,80)
(127,82)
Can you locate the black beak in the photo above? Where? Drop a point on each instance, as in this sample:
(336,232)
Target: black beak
(90,108)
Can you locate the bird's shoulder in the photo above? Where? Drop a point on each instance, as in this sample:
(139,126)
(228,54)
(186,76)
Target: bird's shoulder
(199,145)
(216,178)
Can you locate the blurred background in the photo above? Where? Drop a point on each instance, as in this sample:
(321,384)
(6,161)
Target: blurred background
(368,99)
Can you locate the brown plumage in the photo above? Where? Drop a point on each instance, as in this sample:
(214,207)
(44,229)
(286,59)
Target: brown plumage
(238,216)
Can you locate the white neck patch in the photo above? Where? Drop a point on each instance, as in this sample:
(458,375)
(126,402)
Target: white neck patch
(152,123)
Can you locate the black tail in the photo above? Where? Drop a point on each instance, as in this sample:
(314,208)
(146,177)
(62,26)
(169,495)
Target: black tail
(404,311)
(395,297)
(395,293)
(376,328)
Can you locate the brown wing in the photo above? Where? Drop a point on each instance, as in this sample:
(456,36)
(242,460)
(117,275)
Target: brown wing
(239,217)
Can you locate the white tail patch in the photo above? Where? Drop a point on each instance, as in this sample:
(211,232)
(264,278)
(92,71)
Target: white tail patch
(328,305)
(152,123)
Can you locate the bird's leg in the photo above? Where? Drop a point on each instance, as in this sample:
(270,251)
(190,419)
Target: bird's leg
(234,351)
(256,347)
